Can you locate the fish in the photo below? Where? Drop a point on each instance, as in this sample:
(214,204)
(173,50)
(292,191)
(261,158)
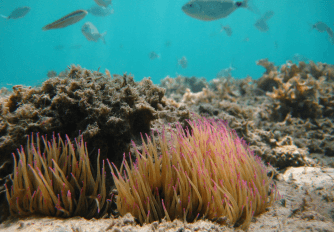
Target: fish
(227,72)
(330,32)
(296,58)
(19,12)
(208,10)
(59,47)
(104,3)
(91,33)
(276,44)
(153,55)
(268,15)
(183,62)
(67,20)
(261,23)
(227,29)
(330,35)
(100,11)
(75,46)
(319,26)
(168,43)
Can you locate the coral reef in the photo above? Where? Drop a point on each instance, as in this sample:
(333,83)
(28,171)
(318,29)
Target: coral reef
(203,172)
(178,86)
(269,66)
(109,112)
(291,101)
(56,181)
(285,117)
(303,94)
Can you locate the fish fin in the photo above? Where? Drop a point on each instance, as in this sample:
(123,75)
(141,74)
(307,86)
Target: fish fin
(250,6)
(5,17)
(232,67)
(102,37)
(221,28)
(311,27)
(45,28)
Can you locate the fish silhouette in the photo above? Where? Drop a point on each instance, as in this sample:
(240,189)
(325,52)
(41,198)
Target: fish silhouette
(67,20)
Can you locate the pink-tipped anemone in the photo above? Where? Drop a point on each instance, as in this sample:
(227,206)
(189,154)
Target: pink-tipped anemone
(205,171)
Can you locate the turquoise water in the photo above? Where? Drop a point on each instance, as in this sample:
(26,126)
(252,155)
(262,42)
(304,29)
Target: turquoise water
(139,27)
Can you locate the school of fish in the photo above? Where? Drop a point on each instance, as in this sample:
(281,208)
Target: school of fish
(204,10)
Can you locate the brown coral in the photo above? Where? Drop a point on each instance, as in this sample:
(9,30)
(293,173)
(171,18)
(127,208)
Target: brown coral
(301,97)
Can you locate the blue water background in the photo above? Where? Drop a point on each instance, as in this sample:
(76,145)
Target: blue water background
(138,27)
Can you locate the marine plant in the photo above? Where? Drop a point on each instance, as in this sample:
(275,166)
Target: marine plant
(56,181)
(203,172)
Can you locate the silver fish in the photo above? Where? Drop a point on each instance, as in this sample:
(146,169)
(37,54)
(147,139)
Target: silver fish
(59,47)
(75,46)
(276,44)
(208,10)
(104,3)
(296,58)
(330,32)
(227,72)
(261,23)
(330,35)
(91,33)
(183,62)
(67,20)
(153,55)
(17,13)
(168,43)
(246,39)
(100,11)
(319,26)
(227,29)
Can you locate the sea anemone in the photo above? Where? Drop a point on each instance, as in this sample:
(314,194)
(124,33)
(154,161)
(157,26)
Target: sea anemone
(207,172)
(57,182)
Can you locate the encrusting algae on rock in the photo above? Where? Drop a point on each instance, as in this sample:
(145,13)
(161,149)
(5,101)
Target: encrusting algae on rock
(203,172)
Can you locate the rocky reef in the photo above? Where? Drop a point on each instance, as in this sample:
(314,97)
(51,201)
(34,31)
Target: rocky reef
(286,117)
(107,111)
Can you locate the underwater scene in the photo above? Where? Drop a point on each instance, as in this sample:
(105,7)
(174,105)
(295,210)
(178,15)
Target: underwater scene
(189,115)
(155,39)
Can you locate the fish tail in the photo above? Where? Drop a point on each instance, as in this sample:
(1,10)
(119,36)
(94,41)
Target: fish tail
(245,4)
(45,28)
(250,6)
(3,16)
(102,37)
(232,67)
(311,27)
